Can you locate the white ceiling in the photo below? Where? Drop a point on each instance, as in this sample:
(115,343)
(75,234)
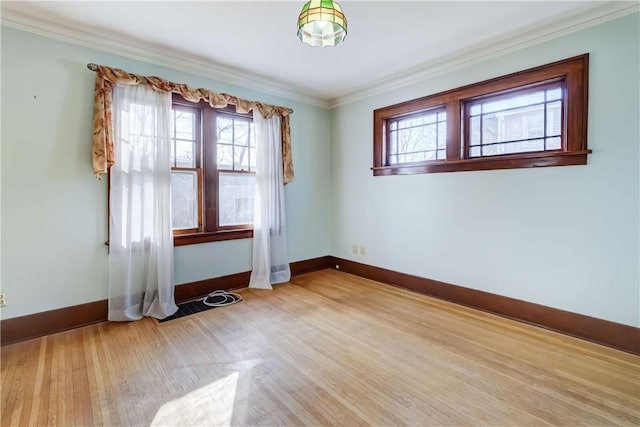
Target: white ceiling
(387,41)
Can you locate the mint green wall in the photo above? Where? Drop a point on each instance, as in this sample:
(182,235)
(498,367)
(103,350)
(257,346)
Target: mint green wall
(565,237)
(54,210)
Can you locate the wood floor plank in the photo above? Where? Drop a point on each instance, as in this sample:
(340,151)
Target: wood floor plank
(11,385)
(328,348)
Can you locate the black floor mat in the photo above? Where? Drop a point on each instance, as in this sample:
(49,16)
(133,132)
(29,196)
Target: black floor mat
(190,307)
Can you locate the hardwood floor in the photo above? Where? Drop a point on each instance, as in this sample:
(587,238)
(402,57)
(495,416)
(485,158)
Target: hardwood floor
(326,349)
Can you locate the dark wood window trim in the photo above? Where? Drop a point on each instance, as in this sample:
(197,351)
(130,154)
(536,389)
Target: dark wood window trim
(572,73)
(206,157)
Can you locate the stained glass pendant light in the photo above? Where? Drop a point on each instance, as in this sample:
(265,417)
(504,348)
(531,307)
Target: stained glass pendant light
(322,23)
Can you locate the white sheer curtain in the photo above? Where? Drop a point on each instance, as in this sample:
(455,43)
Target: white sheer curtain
(140,236)
(270,259)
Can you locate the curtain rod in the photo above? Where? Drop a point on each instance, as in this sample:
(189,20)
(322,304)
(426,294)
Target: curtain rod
(94,67)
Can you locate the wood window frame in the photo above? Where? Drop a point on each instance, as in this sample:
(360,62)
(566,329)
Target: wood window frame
(573,72)
(206,155)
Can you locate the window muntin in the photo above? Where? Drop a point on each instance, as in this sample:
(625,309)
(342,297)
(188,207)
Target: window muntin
(186,202)
(417,137)
(549,132)
(528,120)
(236,160)
(184,125)
(213,172)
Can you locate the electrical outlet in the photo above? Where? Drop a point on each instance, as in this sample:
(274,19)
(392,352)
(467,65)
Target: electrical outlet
(362,250)
(354,249)
(3,300)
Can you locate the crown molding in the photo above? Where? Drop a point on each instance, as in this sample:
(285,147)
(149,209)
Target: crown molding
(153,54)
(157,55)
(505,44)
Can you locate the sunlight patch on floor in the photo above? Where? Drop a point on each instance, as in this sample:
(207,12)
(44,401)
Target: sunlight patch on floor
(211,405)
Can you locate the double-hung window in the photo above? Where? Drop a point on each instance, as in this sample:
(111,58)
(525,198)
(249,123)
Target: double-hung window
(213,164)
(536,117)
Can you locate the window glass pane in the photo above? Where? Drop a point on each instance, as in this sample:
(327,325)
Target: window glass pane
(185,155)
(518,124)
(513,147)
(241,158)
(225,156)
(393,142)
(474,152)
(173,141)
(225,130)
(553,94)
(534,119)
(554,118)
(236,196)
(407,140)
(525,146)
(510,125)
(442,155)
(184,199)
(513,102)
(492,150)
(554,143)
(442,135)
(475,109)
(252,159)
(252,136)
(185,124)
(474,131)
(417,120)
(490,128)
(416,157)
(429,155)
(241,132)
(235,137)
(417,138)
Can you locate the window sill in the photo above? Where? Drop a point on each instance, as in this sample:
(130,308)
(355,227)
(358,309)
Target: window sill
(530,160)
(218,236)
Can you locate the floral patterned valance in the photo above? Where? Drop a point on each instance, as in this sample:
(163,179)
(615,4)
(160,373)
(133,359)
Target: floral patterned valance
(106,77)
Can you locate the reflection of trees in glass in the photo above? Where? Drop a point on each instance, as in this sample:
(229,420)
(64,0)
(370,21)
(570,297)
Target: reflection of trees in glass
(418,138)
(236,152)
(235,144)
(184,183)
(183,136)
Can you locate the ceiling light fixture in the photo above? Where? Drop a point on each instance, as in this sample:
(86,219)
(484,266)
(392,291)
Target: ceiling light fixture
(322,23)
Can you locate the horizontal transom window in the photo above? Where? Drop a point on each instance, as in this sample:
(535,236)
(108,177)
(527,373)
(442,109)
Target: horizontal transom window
(418,137)
(536,117)
(520,122)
